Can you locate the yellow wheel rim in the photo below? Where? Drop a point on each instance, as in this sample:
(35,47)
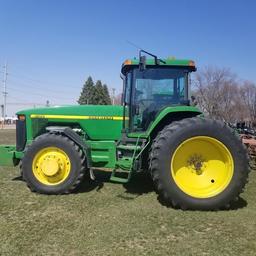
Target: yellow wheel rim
(51,166)
(202,167)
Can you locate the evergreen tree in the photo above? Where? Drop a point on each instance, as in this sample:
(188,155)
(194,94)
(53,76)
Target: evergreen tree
(94,94)
(99,96)
(106,95)
(88,93)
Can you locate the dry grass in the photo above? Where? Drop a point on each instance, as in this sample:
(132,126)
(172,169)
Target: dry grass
(112,219)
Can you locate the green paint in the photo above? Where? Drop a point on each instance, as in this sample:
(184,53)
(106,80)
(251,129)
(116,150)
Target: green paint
(95,129)
(171,62)
(168,110)
(101,133)
(168,62)
(103,153)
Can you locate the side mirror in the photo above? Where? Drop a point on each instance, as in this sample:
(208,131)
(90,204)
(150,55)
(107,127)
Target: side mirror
(142,65)
(193,101)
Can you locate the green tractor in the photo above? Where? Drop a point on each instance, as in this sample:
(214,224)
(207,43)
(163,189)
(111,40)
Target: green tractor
(195,162)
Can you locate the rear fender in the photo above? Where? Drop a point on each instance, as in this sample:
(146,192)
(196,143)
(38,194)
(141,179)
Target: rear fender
(171,114)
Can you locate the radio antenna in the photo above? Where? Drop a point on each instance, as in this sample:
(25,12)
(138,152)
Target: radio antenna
(133,44)
(157,60)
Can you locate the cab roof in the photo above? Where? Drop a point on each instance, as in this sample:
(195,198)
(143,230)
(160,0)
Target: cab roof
(170,62)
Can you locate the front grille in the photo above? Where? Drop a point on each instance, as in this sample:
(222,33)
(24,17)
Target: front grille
(21,135)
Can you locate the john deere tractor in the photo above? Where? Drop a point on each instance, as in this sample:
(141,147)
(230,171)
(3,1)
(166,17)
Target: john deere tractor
(195,162)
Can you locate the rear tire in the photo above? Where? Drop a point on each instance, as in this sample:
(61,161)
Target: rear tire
(198,164)
(53,164)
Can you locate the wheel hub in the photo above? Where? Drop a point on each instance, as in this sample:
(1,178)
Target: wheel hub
(196,164)
(202,166)
(51,166)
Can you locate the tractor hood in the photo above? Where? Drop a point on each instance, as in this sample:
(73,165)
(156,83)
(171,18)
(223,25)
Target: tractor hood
(76,110)
(99,122)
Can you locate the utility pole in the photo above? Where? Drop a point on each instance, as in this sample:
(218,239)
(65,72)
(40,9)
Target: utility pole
(5,90)
(2,113)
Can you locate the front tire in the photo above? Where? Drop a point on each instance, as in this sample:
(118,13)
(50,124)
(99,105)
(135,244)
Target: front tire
(53,164)
(198,164)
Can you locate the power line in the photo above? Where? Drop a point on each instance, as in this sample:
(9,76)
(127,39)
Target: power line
(38,94)
(25,104)
(19,101)
(40,81)
(35,87)
(13,82)
(30,87)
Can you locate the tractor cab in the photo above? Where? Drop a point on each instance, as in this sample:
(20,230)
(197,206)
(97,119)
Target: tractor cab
(151,85)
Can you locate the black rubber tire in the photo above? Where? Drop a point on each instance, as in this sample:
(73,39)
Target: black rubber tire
(75,154)
(165,144)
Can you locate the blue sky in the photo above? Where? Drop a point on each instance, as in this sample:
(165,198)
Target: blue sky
(53,46)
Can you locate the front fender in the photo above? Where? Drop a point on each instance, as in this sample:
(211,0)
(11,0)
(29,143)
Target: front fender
(72,135)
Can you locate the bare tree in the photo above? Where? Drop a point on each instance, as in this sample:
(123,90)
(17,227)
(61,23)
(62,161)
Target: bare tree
(118,99)
(217,93)
(248,95)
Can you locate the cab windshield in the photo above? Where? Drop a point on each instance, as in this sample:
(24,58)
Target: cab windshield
(153,90)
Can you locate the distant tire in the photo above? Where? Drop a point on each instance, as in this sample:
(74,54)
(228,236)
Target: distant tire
(198,164)
(53,164)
